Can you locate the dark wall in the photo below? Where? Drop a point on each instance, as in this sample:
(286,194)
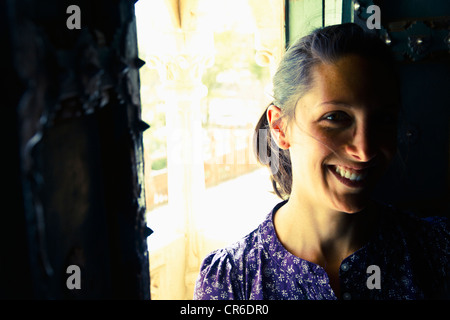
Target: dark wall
(73,150)
(418,31)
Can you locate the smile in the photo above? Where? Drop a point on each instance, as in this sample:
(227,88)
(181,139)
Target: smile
(349,177)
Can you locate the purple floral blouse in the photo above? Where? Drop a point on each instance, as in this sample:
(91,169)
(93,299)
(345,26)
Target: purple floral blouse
(412,256)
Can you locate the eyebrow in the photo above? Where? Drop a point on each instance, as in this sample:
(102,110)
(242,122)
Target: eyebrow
(336,103)
(345,104)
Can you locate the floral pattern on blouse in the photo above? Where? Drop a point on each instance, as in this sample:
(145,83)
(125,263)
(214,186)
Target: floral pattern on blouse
(412,255)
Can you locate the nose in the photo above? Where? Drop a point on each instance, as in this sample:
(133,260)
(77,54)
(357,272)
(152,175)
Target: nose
(362,146)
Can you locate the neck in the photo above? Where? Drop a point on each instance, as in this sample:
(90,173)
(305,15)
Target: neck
(320,235)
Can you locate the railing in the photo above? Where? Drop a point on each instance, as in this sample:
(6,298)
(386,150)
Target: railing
(230,155)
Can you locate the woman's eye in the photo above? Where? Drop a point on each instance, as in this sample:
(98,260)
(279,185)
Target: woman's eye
(338,117)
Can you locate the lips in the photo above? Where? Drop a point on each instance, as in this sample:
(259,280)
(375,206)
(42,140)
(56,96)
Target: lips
(351,174)
(350,177)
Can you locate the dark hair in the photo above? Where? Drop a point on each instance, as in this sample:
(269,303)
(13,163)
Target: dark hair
(293,79)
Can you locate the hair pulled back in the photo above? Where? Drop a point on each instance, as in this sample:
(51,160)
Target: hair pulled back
(293,79)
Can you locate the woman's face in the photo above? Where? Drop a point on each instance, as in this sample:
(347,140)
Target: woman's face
(343,135)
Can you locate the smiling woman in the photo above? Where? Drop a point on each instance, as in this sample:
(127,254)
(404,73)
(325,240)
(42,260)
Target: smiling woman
(339,128)
(332,135)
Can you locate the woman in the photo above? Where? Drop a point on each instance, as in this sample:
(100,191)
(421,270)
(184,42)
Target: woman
(328,137)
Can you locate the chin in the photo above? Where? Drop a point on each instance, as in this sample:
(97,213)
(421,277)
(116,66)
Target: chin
(351,210)
(352,204)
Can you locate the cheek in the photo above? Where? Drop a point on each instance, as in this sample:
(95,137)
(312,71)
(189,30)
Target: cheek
(313,155)
(388,152)
(327,142)
(315,145)
(383,140)
(387,143)
(308,153)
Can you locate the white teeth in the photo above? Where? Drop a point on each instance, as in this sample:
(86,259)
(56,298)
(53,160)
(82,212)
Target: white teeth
(350,175)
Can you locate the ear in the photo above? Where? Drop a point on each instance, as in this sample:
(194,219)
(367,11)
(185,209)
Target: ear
(277,126)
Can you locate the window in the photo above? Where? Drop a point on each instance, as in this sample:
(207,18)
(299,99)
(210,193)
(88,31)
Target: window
(306,15)
(205,83)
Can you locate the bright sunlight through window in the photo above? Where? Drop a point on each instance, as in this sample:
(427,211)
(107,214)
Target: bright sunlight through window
(205,83)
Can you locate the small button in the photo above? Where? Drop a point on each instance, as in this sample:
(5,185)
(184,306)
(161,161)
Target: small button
(345,266)
(346,296)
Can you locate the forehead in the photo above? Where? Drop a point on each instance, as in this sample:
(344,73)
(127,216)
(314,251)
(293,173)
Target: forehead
(354,80)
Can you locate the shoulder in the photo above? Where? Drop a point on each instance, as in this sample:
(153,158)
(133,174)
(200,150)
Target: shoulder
(424,239)
(393,217)
(232,256)
(427,243)
(221,272)
(418,244)
(429,231)
(431,235)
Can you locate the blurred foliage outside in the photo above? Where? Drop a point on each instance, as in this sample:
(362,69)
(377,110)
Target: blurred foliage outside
(235,92)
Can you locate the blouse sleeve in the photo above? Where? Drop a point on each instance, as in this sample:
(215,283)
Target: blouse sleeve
(217,279)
